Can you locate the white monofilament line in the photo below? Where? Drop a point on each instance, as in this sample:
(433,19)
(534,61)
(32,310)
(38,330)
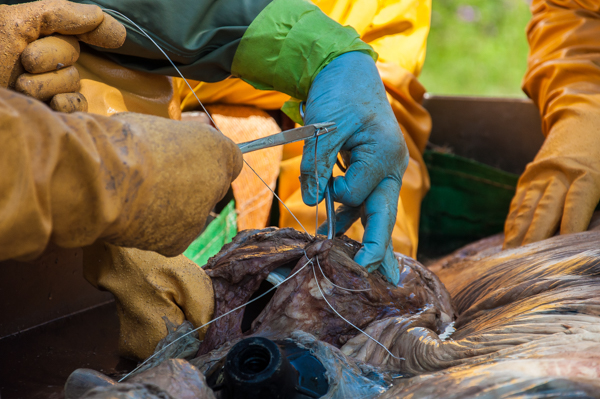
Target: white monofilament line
(343,318)
(278,199)
(143,32)
(217,318)
(337,286)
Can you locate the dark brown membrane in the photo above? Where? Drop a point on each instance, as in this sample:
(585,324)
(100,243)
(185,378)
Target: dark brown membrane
(528,327)
(238,270)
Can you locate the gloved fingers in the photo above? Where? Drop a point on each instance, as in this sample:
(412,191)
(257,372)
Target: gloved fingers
(42,58)
(345,216)
(580,203)
(148,288)
(370,162)
(64,17)
(69,102)
(522,211)
(27,22)
(327,156)
(109,34)
(346,188)
(548,212)
(379,218)
(44,86)
(177,201)
(50,53)
(192,290)
(389,267)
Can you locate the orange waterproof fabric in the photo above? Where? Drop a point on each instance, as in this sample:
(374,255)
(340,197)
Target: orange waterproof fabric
(109,88)
(397,30)
(253,199)
(561,187)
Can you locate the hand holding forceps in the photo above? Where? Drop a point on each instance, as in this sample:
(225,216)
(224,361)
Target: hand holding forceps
(291,136)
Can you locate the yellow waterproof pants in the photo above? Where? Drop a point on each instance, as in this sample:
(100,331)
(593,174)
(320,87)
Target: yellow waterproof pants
(397,30)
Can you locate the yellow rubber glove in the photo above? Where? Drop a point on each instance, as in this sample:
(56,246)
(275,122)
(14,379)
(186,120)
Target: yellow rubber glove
(48,60)
(132,180)
(561,187)
(149,287)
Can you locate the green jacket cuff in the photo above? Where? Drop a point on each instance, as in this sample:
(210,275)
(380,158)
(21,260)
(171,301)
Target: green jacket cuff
(288,44)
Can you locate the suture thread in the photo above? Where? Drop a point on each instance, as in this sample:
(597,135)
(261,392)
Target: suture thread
(215,319)
(343,318)
(140,30)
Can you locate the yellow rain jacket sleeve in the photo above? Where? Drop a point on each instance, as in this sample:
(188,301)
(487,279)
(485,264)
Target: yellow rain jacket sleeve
(561,187)
(75,178)
(80,179)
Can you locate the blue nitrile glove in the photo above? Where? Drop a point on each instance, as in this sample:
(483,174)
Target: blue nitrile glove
(350,93)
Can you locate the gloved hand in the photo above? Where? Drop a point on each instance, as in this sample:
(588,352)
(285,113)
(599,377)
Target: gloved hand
(49,60)
(561,187)
(132,180)
(148,287)
(349,92)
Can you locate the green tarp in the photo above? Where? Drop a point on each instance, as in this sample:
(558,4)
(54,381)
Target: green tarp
(467,201)
(218,233)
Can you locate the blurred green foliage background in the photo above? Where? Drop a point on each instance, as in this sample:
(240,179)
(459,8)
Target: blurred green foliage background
(477,47)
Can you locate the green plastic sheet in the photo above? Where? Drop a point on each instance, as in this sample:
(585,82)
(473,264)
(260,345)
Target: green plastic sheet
(218,233)
(467,201)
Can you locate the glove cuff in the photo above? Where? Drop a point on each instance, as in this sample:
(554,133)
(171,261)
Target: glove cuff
(288,44)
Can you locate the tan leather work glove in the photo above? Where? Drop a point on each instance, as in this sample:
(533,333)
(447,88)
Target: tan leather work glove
(149,287)
(561,187)
(132,180)
(40,43)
